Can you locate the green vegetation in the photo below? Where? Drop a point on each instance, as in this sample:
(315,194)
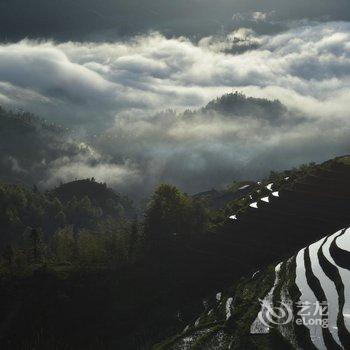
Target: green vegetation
(237,104)
(86,240)
(79,269)
(344,160)
(172,213)
(39,227)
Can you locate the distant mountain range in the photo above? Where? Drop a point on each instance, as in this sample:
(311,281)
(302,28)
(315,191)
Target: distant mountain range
(32,148)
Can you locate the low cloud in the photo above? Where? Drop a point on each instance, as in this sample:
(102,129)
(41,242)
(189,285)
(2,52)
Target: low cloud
(119,90)
(15,166)
(88,163)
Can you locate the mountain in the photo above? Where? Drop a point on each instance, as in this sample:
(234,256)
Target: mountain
(237,104)
(34,151)
(99,194)
(28,144)
(219,199)
(264,309)
(280,215)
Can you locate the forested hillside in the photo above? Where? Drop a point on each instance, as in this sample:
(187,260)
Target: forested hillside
(28,144)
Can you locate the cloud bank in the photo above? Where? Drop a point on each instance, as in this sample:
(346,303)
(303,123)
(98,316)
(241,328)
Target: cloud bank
(119,90)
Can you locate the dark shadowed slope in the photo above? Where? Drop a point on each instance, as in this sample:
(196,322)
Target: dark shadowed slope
(28,144)
(276,223)
(297,210)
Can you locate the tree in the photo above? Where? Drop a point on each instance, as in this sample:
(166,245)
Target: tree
(199,216)
(60,219)
(90,248)
(167,215)
(64,244)
(35,245)
(133,238)
(8,255)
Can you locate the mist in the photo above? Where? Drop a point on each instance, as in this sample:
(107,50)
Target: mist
(127,100)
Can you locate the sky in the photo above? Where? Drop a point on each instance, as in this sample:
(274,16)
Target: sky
(121,73)
(108,19)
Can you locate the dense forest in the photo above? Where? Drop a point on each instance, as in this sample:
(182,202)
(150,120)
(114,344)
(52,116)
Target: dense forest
(63,239)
